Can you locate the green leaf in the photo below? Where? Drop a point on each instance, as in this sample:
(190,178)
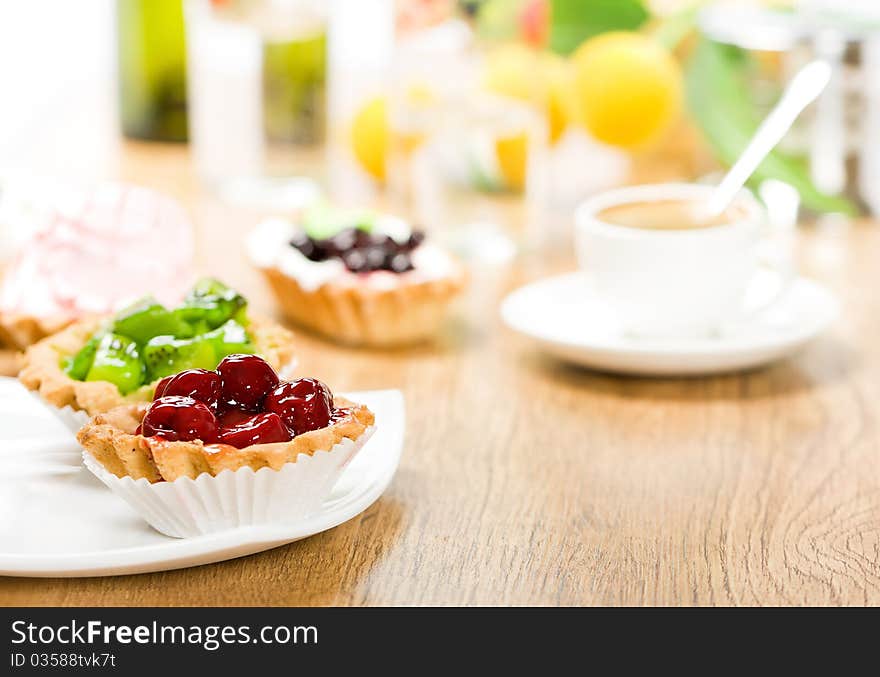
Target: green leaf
(573,21)
(672,30)
(497,19)
(716,86)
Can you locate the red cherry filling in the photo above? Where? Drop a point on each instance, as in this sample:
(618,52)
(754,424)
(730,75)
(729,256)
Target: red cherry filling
(229,418)
(180,418)
(245,381)
(240,404)
(305,404)
(161,385)
(200,384)
(256,429)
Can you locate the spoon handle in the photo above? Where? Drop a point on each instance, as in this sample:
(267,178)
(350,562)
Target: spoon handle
(803,89)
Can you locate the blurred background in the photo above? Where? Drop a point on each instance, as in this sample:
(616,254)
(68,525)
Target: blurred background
(483,120)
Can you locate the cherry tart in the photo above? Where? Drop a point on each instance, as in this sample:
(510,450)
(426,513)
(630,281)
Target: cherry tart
(239,415)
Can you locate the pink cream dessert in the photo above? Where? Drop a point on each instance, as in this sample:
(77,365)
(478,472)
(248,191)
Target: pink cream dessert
(95,251)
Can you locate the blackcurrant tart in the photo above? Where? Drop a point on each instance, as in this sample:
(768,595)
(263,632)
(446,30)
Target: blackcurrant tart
(357,277)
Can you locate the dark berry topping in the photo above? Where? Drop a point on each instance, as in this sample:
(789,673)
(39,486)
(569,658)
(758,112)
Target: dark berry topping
(360,251)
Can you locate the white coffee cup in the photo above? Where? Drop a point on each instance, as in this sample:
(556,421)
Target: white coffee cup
(684,282)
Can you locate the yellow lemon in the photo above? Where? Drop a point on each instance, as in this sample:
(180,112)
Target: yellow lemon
(542,79)
(512,155)
(418,100)
(628,88)
(420,96)
(369,137)
(511,70)
(561,103)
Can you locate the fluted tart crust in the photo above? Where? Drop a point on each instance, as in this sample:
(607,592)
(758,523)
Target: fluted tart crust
(408,311)
(19,331)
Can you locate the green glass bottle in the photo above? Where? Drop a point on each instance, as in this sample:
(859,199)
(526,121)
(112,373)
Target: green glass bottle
(152,69)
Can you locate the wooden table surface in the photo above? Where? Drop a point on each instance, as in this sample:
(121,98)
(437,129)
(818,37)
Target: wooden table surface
(525,481)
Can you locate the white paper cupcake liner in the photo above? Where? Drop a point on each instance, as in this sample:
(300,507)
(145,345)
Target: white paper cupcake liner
(187,507)
(72,419)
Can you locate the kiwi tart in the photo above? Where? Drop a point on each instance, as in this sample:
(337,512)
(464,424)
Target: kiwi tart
(95,365)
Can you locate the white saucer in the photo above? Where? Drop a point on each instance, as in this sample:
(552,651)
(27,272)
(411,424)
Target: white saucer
(567,319)
(71,525)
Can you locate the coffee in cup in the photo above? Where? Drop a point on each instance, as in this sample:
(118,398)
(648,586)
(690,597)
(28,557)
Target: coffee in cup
(667,215)
(666,271)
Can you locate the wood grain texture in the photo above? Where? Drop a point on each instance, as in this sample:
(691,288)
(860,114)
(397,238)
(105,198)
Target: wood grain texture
(525,481)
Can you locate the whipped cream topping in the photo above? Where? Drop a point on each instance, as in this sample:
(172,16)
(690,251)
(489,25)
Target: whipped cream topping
(99,250)
(268,246)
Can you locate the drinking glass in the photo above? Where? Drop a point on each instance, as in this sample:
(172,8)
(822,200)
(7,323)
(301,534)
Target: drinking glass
(257,74)
(479,182)
(467,161)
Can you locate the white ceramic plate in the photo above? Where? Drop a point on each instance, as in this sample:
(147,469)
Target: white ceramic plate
(69,524)
(566,319)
